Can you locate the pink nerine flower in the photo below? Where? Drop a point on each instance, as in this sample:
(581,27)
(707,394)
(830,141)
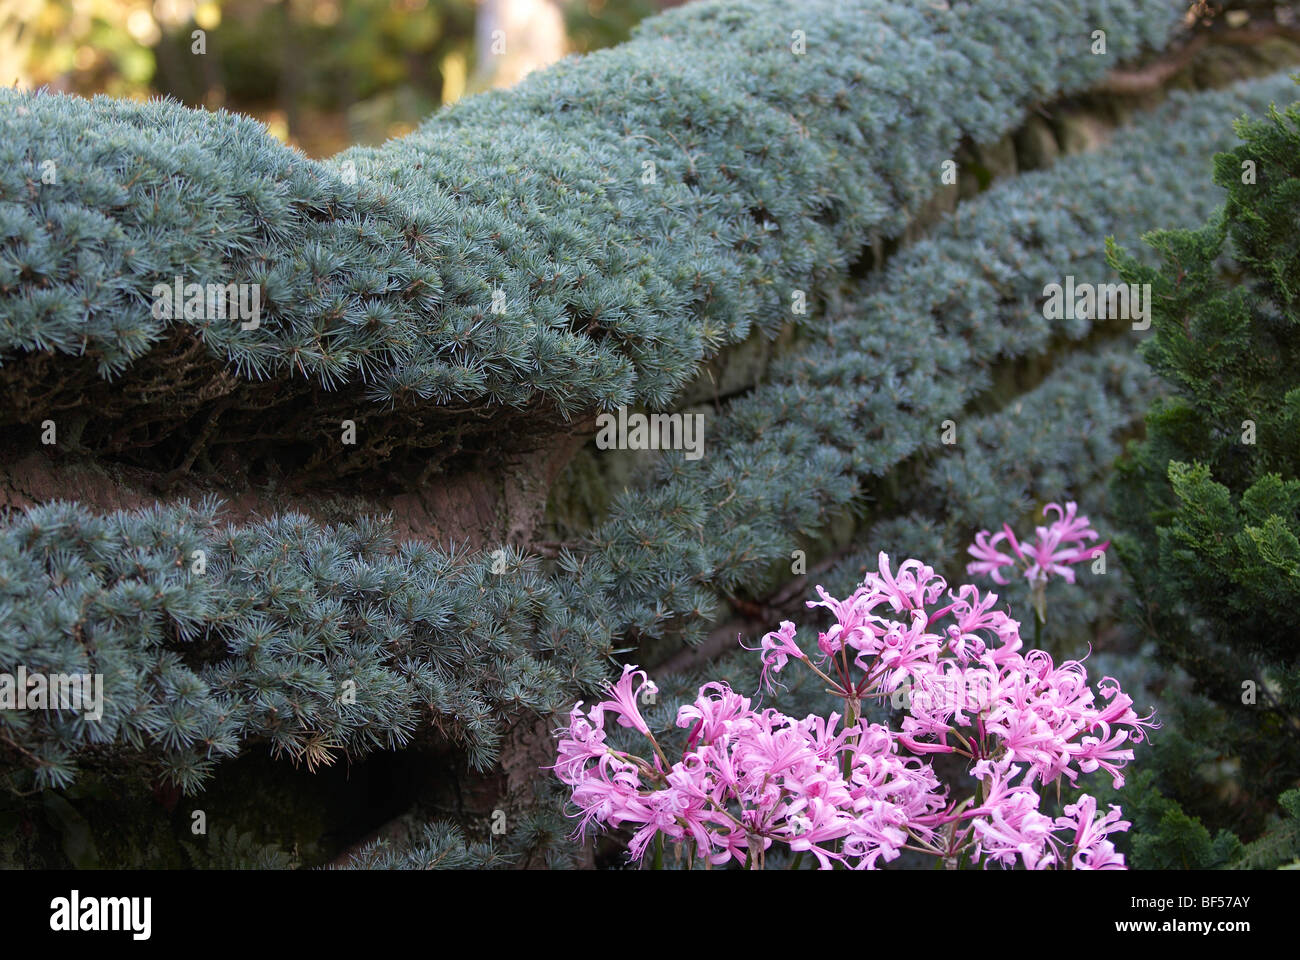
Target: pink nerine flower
(1062,544)
(849,792)
(1008,825)
(852,620)
(1058,546)
(989,559)
(973,616)
(751,778)
(778,647)
(914,587)
(624,698)
(1092,851)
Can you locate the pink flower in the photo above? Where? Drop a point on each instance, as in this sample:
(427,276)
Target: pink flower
(1092,851)
(1120,710)
(856,794)
(1062,544)
(624,699)
(586,741)
(915,586)
(1008,824)
(900,650)
(852,619)
(1106,751)
(1058,546)
(715,711)
(778,647)
(971,615)
(988,558)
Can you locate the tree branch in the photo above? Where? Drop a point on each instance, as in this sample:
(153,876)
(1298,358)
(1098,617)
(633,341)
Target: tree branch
(1156,74)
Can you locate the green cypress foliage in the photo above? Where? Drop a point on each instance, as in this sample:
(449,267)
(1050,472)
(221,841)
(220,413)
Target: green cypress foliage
(1166,838)
(1211,498)
(1279,846)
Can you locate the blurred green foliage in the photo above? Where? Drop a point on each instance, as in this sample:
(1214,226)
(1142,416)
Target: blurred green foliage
(321,73)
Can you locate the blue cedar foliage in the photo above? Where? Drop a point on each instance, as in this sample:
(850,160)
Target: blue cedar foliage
(378,267)
(534,838)
(1055,442)
(919,346)
(313,639)
(258,648)
(436,846)
(1061,435)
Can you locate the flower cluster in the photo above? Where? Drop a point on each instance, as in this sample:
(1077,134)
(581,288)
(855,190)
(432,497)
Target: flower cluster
(749,778)
(1059,545)
(857,794)
(1062,543)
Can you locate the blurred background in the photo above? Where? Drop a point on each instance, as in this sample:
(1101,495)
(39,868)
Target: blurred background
(322,74)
